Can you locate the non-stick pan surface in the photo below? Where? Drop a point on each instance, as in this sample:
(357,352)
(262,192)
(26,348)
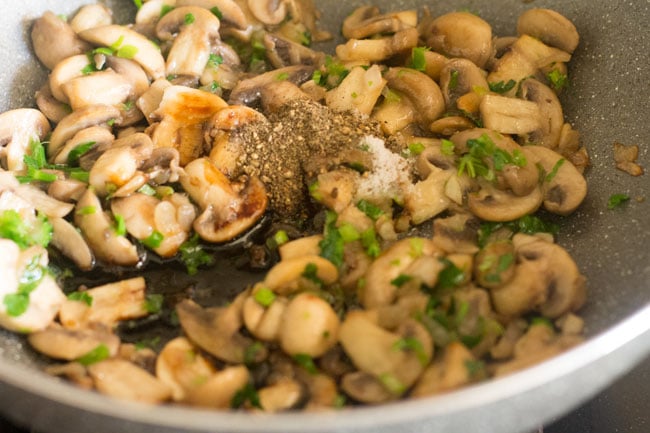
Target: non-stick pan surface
(607,102)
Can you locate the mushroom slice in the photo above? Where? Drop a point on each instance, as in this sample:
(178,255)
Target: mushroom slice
(54,40)
(182,368)
(550,113)
(309,326)
(51,107)
(184,113)
(358,91)
(42,202)
(18,129)
(44,300)
(191,47)
(376,50)
(66,70)
(546,279)
(216,330)
(67,190)
(379,289)
(423,93)
(456,234)
(91,16)
(60,343)
(460,34)
(111,303)
(97,229)
(100,136)
(282,52)
(228,210)
(450,372)
(218,390)
(377,351)
(264,321)
(119,164)
(365,387)
(428,197)
(509,115)
(76,121)
(460,77)
(270,12)
(366,21)
(102,87)
(492,204)
(285,277)
(249,91)
(143,51)
(122,379)
(564,186)
(283,395)
(132,72)
(550,27)
(69,241)
(231,11)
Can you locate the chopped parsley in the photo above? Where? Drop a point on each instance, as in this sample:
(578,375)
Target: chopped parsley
(215,60)
(617,200)
(400,280)
(18,303)
(193,256)
(370,243)
(392,384)
(311,274)
(549,177)
(216,12)
(189,19)
(528,224)
(557,79)
(447,147)
(483,150)
(331,247)
(453,79)
(450,277)
(78,151)
(282,76)
(251,352)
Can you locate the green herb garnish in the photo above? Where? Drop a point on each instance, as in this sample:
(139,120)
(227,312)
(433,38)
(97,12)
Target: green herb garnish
(501,87)
(331,247)
(374,212)
(306,362)
(154,240)
(414,345)
(265,297)
(247,394)
(617,200)
(81,297)
(418,59)
(96,355)
(23,232)
(193,256)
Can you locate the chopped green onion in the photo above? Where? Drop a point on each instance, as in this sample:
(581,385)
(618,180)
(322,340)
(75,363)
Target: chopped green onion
(154,240)
(265,297)
(216,12)
(306,362)
(501,87)
(311,273)
(283,76)
(193,256)
(247,394)
(418,59)
(450,276)
(557,79)
(332,245)
(617,200)
(416,148)
(147,189)
(400,280)
(165,9)
(189,19)
(447,147)
(127,52)
(349,233)
(280,237)
(370,243)
(549,177)
(392,384)
(215,60)
(81,297)
(372,211)
(120,225)
(153,303)
(96,355)
(414,345)
(78,151)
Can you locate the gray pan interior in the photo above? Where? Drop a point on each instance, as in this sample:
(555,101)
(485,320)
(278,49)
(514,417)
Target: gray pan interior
(608,101)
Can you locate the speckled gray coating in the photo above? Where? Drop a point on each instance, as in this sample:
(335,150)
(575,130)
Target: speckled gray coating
(608,101)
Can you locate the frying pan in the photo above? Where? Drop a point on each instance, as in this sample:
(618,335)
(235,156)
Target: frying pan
(607,102)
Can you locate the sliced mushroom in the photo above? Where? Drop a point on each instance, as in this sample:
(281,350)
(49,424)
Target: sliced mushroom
(427,198)
(550,112)
(365,387)
(379,289)
(310,326)
(193,40)
(546,279)
(60,343)
(366,21)
(492,204)
(375,50)
(249,91)
(456,234)
(54,40)
(51,107)
(510,115)
(358,91)
(376,351)
(99,135)
(111,303)
(460,77)
(231,11)
(450,372)
(42,202)
(144,52)
(564,186)
(286,277)
(18,129)
(550,27)
(97,229)
(69,241)
(216,330)
(132,72)
(282,52)
(423,93)
(270,12)
(495,264)
(182,368)
(122,379)
(218,390)
(44,301)
(279,93)
(460,34)
(66,190)
(282,395)
(91,16)
(79,120)
(264,321)
(103,87)
(228,210)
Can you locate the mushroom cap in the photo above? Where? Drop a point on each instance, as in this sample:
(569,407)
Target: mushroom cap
(459,77)
(551,117)
(423,93)
(18,128)
(366,21)
(54,40)
(550,27)
(91,16)
(270,12)
(461,34)
(69,241)
(230,10)
(70,344)
(492,204)
(122,379)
